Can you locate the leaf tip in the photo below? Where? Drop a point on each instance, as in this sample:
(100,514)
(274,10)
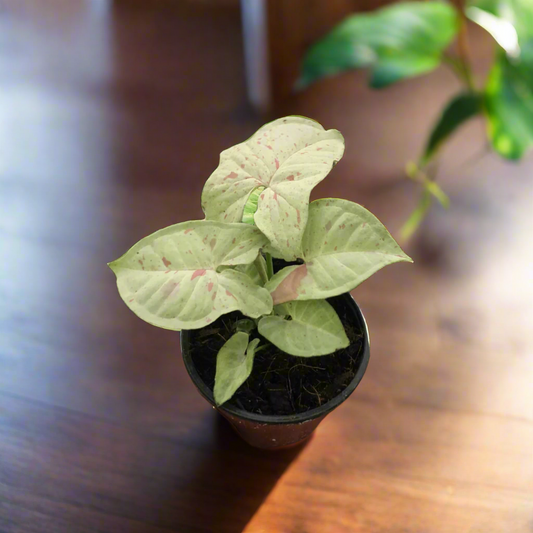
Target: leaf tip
(113,265)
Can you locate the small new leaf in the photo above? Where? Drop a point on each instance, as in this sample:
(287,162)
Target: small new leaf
(315,328)
(254,270)
(234,364)
(343,245)
(250,207)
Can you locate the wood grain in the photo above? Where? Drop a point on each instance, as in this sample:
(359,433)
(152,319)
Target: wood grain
(111,118)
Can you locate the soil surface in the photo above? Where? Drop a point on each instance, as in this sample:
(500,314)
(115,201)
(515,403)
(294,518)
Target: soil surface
(281,384)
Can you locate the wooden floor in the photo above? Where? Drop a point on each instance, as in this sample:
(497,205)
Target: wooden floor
(110,121)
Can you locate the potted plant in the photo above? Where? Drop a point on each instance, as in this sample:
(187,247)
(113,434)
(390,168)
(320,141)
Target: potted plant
(260,288)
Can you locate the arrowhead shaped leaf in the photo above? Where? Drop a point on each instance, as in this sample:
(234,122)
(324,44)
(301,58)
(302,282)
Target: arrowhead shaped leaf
(234,364)
(288,157)
(170,278)
(397,42)
(459,110)
(315,329)
(343,245)
(509,103)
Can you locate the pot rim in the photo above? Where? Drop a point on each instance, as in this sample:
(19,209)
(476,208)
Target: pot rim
(284,419)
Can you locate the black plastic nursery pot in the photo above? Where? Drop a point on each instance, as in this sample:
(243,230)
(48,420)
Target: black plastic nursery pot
(275,432)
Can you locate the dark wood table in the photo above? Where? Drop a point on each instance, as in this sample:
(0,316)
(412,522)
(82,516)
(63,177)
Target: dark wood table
(111,118)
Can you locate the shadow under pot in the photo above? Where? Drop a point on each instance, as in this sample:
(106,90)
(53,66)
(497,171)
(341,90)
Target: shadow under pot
(273,431)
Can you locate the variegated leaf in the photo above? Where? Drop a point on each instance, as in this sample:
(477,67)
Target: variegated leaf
(343,245)
(234,364)
(314,328)
(288,157)
(170,278)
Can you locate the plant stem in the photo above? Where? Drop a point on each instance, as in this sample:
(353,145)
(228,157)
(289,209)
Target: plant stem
(428,182)
(416,217)
(270,266)
(462,67)
(463,47)
(261,269)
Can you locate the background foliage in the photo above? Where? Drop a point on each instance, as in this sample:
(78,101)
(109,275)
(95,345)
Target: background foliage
(414,38)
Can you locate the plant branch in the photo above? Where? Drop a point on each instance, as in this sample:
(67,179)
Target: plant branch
(463,47)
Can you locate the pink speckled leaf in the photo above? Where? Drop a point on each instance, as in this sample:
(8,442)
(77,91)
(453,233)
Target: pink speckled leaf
(343,245)
(288,157)
(170,278)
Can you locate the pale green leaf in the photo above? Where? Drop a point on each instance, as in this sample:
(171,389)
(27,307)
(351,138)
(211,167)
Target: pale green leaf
(251,270)
(170,278)
(343,245)
(314,328)
(396,42)
(234,364)
(288,157)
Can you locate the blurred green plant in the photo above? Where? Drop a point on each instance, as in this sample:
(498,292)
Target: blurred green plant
(413,38)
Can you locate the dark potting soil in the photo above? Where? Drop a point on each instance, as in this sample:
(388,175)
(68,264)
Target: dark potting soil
(281,384)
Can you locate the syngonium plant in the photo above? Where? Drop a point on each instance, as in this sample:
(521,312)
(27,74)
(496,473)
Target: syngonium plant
(409,39)
(256,206)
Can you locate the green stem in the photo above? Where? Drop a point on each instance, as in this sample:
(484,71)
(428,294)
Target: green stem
(261,269)
(416,217)
(270,266)
(418,175)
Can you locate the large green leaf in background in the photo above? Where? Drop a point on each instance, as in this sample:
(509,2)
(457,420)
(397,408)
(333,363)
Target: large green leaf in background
(396,42)
(509,103)
(343,245)
(234,364)
(459,110)
(314,328)
(509,90)
(287,157)
(170,278)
